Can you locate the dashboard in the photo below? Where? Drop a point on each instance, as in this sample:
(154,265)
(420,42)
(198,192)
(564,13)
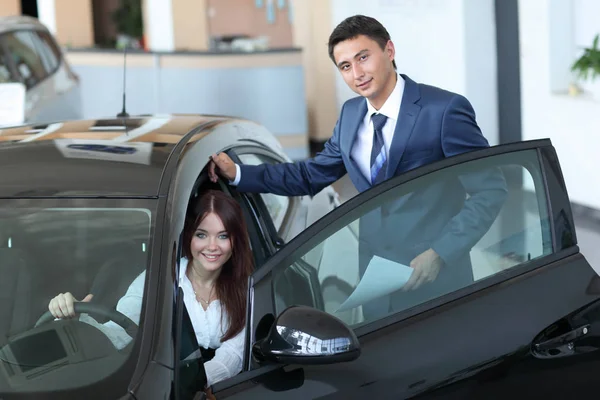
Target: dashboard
(55,356)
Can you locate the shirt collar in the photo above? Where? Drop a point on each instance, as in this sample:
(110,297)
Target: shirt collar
(183,262)
(391,107)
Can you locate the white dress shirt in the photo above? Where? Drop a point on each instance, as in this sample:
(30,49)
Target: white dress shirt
(229,354)
(361,151)
(228,358)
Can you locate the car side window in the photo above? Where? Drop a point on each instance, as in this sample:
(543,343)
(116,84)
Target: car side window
(5,74)
(48,51)
(276,205)
(26,57)
(481,218)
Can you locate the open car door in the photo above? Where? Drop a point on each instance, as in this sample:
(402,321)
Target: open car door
(511,310)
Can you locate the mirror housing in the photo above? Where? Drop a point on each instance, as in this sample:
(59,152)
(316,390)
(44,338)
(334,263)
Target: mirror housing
(305,335)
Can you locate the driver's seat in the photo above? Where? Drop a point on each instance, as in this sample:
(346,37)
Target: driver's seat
(15,293)
(117,273)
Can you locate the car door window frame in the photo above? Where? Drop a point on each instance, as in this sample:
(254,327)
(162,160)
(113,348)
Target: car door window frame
(262,279)
(259,237)
(14,74)
(272,159)
(257,200)
(37,50)
(46,50)
(268,234)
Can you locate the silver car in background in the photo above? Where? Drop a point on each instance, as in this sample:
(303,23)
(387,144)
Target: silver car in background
(30,55)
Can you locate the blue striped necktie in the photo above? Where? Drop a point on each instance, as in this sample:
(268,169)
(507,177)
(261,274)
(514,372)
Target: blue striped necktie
(378,156)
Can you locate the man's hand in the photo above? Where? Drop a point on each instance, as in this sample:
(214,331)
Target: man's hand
(223,165)
(209,394)
(426,267)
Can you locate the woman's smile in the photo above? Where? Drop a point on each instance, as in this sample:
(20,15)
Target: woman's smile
(211,257)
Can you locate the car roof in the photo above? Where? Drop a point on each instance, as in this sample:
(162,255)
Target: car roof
(111,157)
(12,23)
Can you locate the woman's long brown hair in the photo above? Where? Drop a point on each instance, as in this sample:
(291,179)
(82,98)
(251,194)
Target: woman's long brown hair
(232,284)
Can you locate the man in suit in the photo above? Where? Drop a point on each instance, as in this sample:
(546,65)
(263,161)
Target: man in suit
(393,126)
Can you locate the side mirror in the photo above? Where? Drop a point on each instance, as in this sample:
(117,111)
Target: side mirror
(12,104)
(305,335)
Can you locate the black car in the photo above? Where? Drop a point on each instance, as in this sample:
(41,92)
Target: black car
(527,326)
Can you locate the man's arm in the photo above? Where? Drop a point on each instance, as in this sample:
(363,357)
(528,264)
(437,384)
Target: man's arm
(301,178)
(487,188)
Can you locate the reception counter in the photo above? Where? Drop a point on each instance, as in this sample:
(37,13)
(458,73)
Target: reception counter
(266,87)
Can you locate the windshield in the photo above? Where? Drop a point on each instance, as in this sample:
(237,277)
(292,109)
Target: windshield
(93,249)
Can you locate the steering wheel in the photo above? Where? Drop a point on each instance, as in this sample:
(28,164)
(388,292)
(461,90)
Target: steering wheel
(100,310)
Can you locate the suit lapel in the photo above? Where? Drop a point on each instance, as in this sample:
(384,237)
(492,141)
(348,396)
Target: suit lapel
(409,111)
(354,122)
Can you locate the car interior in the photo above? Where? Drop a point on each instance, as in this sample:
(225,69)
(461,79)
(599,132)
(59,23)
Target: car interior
(47,251)
(99,251)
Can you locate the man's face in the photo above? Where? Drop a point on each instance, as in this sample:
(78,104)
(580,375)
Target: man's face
(366,68)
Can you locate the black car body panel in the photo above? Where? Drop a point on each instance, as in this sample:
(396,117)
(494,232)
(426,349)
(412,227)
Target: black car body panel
(66,160)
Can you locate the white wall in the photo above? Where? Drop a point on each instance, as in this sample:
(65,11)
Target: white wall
(47,14)
(158,18)
(445,43)
(586,13)
(573,124)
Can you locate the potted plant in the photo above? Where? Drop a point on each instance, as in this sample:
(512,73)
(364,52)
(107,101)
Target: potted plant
(129,22)
(587,68)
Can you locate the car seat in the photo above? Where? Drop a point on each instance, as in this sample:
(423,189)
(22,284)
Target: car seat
(118,272)
(15,293)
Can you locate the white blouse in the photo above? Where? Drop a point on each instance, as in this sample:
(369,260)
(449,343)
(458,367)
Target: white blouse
(209,326)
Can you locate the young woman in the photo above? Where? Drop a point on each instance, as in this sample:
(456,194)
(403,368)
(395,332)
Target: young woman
(213,276)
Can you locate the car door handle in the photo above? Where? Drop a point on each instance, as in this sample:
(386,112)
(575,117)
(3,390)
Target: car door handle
(564,339)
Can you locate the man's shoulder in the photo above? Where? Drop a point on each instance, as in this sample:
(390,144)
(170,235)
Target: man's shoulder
(430,92)
(354,103)
(351,108)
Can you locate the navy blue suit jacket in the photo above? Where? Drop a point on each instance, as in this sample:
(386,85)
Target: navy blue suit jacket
(432,124)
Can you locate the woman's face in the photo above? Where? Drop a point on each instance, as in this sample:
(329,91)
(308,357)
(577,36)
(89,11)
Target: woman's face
(211,246)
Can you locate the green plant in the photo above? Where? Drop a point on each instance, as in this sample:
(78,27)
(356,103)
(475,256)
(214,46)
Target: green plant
(588,65)
(128,18)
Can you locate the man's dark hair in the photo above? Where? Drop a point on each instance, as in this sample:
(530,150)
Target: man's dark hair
(357,25)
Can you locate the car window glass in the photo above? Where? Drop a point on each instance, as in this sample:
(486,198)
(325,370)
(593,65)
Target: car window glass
(481,219)
(277,205)
(46,49)
(5,74)
(81,247)
(25,57)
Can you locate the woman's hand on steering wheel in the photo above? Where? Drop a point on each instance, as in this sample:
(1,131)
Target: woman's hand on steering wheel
(62,305)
